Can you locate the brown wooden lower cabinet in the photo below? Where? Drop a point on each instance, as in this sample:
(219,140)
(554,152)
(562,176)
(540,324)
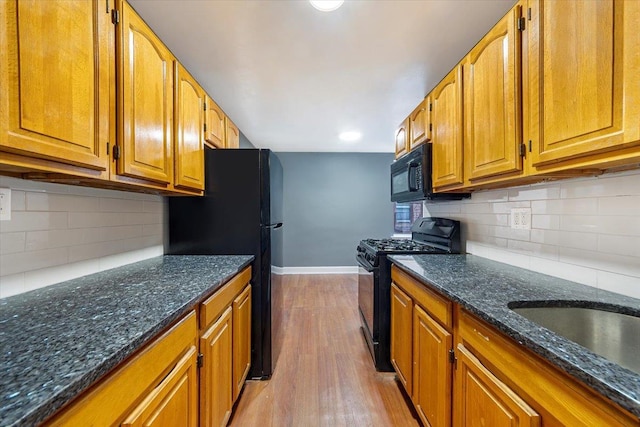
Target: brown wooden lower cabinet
(216,401)
(174,401)
(420,348)
(143,387)
(484,400)
(559,399)
(431,369)
(225,345)
(241,339)
(489,379)
(177,379)
(401,335)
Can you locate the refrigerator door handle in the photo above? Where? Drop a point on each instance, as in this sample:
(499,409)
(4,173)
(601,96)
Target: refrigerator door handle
(274,226)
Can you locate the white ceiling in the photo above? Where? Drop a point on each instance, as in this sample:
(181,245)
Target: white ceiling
(292,77)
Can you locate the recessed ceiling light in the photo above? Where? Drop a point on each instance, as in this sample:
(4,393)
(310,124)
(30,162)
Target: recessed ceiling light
(350,136)
(326,5)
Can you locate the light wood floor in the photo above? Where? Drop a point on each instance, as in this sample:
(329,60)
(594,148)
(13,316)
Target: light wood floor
(324,375)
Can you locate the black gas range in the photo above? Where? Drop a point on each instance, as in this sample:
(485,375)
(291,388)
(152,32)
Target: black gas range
(430,235)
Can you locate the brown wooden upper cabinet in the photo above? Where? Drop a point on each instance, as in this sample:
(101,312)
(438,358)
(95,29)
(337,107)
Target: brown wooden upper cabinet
(446,134)
(215,126)
(189,135)
(232,134)
(56,62)
(418,125)
(583,68)
(402,138)
(145,101)
(492,106)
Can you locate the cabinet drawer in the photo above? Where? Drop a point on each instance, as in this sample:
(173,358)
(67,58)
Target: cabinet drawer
(114,398)
(557,397)
(435,304)
(213,307)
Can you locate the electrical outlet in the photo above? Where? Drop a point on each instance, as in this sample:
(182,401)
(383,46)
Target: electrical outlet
(521,218)
(5,204)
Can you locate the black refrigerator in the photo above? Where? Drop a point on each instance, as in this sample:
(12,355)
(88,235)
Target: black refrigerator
(239,214)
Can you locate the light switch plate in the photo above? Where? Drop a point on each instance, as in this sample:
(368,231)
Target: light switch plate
(521,218)
(5,204)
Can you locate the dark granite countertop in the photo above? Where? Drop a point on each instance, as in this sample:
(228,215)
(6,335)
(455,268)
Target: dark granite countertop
(485,287)
(56,341)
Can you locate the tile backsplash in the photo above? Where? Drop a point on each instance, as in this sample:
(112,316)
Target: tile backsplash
(586,230)
(59,232)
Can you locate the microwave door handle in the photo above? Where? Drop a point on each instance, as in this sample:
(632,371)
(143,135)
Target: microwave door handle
(411,165)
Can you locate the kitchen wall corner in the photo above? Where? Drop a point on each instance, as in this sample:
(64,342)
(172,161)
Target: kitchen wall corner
(586,230)
(60,232)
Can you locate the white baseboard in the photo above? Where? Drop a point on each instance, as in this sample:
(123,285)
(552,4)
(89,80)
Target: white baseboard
(315,270)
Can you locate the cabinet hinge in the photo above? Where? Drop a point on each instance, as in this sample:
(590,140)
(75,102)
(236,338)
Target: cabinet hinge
(523,150)
(521,22)
(452,356)
(107,6)
(430,127)
(200,360)
(116,152)
(205,128)
(205,106)
(107,148)
(115,16)
(529,145)
(529,14)
(430,107)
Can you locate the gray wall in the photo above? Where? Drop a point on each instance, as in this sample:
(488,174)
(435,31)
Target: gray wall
(244,142)
(331,202)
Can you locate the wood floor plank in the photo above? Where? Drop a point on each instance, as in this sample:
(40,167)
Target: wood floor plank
(324,374)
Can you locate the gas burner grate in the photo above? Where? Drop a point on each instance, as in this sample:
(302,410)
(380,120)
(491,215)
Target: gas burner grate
(400,245)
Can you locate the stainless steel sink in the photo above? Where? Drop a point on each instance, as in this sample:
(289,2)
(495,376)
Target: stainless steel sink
(614,336)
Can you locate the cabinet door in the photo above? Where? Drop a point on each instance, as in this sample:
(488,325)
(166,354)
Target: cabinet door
(401,336)
(214,117)
(241,339)
(189,138)
(232,134)
(109,401)
(418,125)
(145,101)
(492,106)
(57,65)
(583,63)
(174,402)
(446,133)
(483,400)
(215,375)
(431,370)
(402,138)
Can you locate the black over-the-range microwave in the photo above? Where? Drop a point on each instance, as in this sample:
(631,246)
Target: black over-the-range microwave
(411,178)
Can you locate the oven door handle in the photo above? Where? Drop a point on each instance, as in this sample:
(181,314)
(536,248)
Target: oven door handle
(365,264)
